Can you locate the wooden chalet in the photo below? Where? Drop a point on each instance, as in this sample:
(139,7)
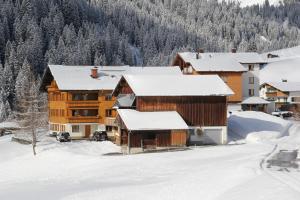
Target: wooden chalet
(80,100)
(201,101)
(284,94)
(229,69)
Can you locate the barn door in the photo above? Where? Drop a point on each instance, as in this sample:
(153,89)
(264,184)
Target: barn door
(87,130)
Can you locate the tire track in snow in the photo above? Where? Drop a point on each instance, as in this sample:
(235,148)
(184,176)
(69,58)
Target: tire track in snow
(284,178)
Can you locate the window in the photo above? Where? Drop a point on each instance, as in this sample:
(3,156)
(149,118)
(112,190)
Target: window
(251,67)
(109,128)
(251,92)
(251,80)
(85,96)
(108,97)
(75,128)
(108,113)
(85,113)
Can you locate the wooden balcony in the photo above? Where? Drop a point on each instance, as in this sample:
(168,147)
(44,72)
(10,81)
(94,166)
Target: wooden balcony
(110,121)
(83,104)
(271,94)
(82,119)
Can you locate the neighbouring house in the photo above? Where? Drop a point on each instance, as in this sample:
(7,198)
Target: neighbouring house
(284,94)
(281,69)
(239,70)
(255,104)
(154,106)
(79,97)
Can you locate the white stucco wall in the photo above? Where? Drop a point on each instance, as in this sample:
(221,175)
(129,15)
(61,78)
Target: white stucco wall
(81,133)
(246,85)
(207,138)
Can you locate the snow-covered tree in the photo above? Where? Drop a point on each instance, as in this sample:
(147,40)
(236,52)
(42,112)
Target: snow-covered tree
(31,107)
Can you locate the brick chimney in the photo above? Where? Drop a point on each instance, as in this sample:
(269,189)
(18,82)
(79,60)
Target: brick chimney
(94,72)
(233,50)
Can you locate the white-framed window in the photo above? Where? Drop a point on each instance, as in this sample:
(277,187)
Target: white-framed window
(251,67)
(251,80)
(251,92)
(75,128)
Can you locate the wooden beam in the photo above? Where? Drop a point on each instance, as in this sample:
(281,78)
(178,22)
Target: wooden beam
(129,132)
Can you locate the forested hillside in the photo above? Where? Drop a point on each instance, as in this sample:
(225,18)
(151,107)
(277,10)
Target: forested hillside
(134,32)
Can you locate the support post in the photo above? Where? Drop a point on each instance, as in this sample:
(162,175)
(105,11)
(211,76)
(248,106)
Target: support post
(129,142)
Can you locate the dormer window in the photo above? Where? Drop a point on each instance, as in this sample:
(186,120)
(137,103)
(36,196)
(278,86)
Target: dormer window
(251,67)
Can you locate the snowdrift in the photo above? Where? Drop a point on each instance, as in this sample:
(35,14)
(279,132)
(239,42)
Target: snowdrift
(256,126)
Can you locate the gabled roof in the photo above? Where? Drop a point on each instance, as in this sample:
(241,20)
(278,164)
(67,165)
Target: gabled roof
(254,101)
(207,63)
(168,120)
(286,86)
(181,85)
(78,77)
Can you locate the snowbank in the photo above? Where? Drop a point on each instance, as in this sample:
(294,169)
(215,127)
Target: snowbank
(8,125)
(256,126)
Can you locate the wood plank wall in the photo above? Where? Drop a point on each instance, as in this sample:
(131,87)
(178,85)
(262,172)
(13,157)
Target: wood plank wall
(196,111)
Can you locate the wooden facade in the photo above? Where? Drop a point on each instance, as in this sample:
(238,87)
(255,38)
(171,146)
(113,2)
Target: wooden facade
(79,107)
(195,110)
(232,79)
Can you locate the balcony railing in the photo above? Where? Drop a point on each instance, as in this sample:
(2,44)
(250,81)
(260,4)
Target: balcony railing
(76,104)
(83,119)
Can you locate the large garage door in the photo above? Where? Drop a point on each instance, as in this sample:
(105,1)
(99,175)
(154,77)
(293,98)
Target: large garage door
(213,136)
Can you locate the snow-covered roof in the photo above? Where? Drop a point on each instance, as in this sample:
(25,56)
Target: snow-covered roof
(288,69)
(221,61)
(166,120)
(254,101)
(212,64)
(181,85)
(79,77)
(286,86)
(285,53)
(245,3)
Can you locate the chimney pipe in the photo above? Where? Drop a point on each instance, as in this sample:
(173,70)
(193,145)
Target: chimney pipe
(233,50)
(198,53)
(201,50)
(94,72)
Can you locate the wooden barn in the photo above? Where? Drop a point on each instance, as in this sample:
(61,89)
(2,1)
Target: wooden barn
(151,129)
(201,101)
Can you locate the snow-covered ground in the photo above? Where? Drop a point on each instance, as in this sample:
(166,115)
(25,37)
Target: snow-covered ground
(79,170)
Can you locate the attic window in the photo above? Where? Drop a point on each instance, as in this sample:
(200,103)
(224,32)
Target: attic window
(251,67)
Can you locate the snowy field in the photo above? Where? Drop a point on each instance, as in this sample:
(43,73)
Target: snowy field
(79,170)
